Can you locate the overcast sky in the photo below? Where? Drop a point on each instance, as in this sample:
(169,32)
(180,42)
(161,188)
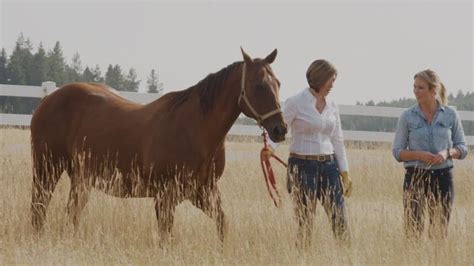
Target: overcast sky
(377,46)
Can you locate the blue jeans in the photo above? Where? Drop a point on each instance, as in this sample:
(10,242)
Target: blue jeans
(309,181)
(432,190)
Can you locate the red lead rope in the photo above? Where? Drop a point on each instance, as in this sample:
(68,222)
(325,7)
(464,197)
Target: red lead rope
(268,172)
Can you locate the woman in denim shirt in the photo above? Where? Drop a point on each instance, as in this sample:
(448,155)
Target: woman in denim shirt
(429,136)
(317,154)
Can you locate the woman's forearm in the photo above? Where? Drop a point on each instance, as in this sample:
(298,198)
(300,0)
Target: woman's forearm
(407,155)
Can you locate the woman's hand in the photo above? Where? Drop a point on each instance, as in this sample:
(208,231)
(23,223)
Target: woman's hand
(426,157)
(346,183)
(440,157)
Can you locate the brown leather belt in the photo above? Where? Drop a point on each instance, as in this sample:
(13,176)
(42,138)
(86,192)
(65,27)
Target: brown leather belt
(319,158)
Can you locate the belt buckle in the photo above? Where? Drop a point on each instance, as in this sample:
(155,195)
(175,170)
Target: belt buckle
(323,158)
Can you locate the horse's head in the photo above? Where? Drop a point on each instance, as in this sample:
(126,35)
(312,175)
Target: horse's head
(259,98)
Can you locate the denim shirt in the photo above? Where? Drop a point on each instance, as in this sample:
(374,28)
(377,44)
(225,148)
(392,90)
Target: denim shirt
(416,134)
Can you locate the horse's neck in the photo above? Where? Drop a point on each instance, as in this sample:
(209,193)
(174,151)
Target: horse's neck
(225,110)
(209,129)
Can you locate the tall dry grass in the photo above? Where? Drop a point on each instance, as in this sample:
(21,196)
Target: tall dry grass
(124,231)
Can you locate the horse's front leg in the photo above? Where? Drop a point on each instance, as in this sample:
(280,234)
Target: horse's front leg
(78,197)
(211,204)
(165,205)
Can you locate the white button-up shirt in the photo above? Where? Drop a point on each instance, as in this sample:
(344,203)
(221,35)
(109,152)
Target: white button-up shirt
(314,133)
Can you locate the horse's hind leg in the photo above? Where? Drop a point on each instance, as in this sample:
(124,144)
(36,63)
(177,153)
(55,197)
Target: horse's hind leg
(78,196)
(46,174)
(165,205)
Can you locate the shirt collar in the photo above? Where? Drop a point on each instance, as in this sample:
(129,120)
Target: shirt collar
(308,95)
(418,110)
(439,106)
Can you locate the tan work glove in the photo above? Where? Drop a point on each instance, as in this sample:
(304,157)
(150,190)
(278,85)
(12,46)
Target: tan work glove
(266,153)
(346,183)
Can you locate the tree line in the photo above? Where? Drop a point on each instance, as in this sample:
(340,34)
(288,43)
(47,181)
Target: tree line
(26,67)
(461,101)
(23,67)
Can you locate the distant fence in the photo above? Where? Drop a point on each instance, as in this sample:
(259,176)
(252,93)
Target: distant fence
(239,130)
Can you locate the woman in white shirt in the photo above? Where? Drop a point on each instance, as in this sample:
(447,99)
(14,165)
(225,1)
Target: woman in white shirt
(317,154)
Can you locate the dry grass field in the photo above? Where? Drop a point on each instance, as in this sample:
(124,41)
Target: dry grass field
(124,231)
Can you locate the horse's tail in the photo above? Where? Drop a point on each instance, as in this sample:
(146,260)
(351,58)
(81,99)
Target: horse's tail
(47,163)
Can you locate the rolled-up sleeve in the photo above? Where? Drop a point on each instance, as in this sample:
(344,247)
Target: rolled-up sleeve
(400,141)
(459,140)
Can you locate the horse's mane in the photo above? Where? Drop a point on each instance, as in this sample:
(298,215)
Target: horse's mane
(206,89)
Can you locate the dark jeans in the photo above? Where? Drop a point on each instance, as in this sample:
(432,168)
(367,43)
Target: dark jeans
(431,190)
(309,181)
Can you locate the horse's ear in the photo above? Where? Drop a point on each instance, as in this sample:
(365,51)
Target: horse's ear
(271,57)
(247,58)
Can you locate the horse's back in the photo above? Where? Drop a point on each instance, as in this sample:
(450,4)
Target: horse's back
(74,111)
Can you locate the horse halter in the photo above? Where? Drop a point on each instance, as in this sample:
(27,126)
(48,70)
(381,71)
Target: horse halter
(243,95)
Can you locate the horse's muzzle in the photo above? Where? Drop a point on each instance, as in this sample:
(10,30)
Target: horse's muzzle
(277,133)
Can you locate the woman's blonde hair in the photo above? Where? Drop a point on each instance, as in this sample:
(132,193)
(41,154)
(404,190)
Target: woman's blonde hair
(319,72)
(434,83)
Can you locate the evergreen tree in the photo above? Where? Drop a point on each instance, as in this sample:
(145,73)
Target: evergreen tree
(39,67)
(87,75)
(17,71)
(114,77)
(73,72)
(57,65)
(131,83)
(20,61)
(153,83)
(97,75)
(3,67)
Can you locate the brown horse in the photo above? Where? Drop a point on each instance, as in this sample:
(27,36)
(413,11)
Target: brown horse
(171,149)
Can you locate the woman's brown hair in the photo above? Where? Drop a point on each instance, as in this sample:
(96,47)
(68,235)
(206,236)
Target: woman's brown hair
(319,72)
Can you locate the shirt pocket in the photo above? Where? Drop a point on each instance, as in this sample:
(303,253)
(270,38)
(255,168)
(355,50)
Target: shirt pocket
(417,131)
(443,130)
